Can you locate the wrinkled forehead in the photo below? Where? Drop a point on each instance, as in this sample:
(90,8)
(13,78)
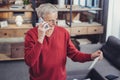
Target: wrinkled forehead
(50,16)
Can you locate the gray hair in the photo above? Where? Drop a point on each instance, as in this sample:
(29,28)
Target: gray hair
(45,9)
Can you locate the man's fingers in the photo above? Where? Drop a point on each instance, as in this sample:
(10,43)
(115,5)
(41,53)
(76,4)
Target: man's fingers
(100,55)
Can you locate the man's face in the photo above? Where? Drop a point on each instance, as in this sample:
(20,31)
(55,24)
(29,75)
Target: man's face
(51,19)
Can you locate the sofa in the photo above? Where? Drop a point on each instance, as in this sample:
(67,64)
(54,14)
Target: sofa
(107,68)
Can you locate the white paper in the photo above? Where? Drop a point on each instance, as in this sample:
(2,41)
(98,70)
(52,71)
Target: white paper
(93,63)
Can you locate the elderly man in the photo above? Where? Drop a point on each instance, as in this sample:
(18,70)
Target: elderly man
(46,49)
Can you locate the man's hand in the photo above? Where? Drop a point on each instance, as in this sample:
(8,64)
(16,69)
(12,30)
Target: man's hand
(97,54)
(41,33)
(42,28)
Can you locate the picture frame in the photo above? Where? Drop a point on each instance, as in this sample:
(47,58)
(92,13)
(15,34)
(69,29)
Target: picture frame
(3,24)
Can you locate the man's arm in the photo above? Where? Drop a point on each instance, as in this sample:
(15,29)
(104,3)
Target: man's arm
(32,50)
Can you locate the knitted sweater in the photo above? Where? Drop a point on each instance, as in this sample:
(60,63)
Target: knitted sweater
(47,60)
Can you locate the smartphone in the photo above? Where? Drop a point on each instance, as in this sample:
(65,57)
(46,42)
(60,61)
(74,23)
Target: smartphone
(40,20)
(45,26)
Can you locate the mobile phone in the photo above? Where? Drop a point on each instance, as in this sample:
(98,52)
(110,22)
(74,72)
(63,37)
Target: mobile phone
(40,20)
(45,26)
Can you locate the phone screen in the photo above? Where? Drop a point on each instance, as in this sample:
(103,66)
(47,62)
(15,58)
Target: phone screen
(45,26)
(40,20)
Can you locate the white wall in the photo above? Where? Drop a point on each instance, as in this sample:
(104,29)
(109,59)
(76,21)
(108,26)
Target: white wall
(113,26)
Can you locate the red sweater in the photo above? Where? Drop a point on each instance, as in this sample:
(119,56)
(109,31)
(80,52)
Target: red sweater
(47,61)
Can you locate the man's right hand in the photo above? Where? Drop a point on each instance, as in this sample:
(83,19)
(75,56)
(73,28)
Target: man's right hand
(41,33)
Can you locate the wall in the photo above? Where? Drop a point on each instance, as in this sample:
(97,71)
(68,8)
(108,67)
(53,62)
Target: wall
(113,26)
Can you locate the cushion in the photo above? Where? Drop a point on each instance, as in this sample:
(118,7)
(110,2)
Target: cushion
(111,51)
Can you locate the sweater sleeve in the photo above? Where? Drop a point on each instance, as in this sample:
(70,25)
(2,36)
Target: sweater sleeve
(32,50)
(75,54)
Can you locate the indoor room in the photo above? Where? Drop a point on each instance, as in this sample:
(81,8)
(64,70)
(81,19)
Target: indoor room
(59,40)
